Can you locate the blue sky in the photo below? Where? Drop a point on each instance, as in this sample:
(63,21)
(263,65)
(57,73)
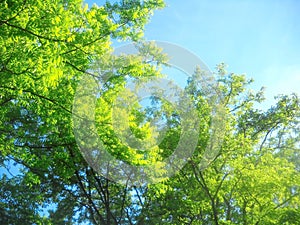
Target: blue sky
(258,38)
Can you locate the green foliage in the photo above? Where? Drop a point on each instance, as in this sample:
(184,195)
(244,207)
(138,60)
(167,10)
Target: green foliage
(47,47)
(255,177)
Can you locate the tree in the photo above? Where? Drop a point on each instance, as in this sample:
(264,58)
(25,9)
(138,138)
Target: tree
(48,47)
(255,177)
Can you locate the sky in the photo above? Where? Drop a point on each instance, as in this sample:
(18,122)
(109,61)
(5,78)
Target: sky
(258,38)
